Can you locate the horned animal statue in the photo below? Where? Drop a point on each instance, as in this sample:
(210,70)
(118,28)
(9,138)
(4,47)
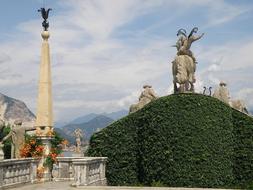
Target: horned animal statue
(184,64)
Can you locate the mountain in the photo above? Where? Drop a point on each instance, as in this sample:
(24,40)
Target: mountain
(70,138)
(89,127)
(116,115)
(12,109)
(85,118)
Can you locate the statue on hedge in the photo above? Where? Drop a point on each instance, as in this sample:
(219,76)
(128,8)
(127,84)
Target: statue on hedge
(17,135)
(239,105)
(184,64)
(147,95)
(222,93)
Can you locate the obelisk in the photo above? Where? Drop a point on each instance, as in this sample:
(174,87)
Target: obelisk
(44,117)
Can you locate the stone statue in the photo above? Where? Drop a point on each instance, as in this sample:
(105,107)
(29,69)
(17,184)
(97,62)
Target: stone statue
(147,95)
(184,65)
(1,145)
(222,93)
(45,14)
(17,135)
(239,105)
(78,134)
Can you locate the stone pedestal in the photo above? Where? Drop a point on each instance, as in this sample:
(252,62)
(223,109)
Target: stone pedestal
(46,141)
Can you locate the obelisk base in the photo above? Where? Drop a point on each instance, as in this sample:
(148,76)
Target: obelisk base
(45,174)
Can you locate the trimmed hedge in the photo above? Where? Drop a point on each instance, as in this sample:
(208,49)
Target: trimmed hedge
(185,140)
(243,146)
(188,143)
(118,142)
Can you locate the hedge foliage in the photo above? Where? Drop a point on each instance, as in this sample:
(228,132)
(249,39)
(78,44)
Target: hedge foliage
(185,140)
(243,146)
(118,142)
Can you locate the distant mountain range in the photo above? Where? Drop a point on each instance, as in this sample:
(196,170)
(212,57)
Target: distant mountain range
(89,124)
(114,115)
(12,109)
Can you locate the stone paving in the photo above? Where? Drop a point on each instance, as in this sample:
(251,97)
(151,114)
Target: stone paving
(67,186)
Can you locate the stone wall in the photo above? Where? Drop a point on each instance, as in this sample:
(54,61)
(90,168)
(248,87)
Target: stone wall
(18,171)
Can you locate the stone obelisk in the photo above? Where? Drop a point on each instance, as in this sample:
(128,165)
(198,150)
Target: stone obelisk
(44,117)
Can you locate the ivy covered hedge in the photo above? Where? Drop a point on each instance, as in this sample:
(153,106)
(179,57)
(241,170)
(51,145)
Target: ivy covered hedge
(118,142)
(185,140)
(243,149)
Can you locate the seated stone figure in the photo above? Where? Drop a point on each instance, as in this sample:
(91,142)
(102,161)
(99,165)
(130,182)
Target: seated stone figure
(222,93)
(147,95)
(239,105)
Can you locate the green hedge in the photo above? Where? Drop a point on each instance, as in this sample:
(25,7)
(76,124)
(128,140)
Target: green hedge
(243,146)
(187,143)
(118,143)
(185,140)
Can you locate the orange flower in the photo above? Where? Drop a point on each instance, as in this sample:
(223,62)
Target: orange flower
(32,142)
(65,142)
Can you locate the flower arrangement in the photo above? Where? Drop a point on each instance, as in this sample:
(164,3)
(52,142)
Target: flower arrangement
(56,150)
(32,148)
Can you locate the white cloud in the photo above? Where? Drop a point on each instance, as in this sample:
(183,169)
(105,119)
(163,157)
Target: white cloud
(95,71)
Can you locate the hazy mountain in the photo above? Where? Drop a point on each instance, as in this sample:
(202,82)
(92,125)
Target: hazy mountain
(89,127)
(116,115)
(70,138)
(84,118)
(12,109)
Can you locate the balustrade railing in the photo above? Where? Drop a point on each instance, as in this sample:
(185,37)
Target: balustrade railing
(83,171)
(18,171)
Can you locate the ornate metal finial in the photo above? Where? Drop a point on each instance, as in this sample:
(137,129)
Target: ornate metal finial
(210,90)
(45,14)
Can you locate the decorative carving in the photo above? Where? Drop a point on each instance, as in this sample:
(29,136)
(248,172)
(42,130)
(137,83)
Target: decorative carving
(210,90)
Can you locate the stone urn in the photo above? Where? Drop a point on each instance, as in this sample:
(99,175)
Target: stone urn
(1,151)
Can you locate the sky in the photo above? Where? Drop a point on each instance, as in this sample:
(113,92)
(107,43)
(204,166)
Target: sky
(104,51)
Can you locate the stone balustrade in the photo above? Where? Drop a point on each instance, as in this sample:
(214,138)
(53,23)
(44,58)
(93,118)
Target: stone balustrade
(18,171)
(89,171)
(85,171)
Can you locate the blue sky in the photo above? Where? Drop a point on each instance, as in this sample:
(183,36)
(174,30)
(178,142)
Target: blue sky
(103,51)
